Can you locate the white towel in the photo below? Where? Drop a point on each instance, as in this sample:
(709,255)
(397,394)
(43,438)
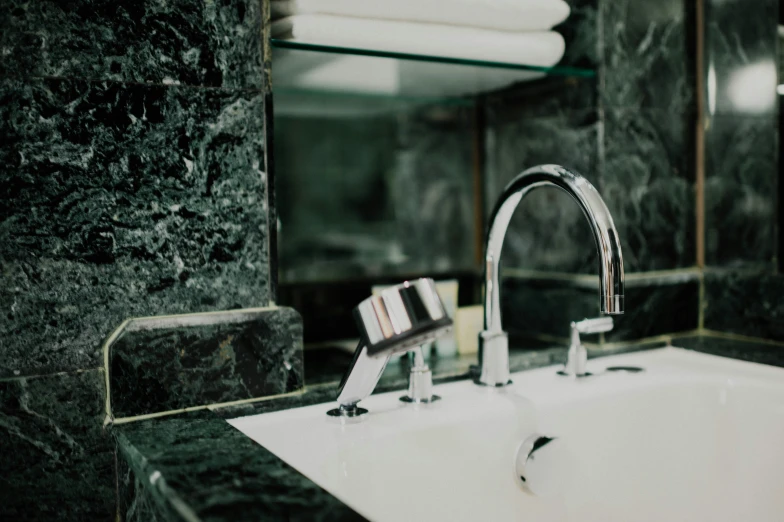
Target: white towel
(379,76)
(504,15)
(536,48)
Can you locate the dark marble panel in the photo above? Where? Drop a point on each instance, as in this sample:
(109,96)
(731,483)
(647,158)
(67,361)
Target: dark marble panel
(741,179)
(741,40)
(647,182)
(135,501)
(120,201)
(549,97)
(657,307)
(581,33)
(747,304)
(57,462)
(653,307)
(401,203)
(646,54)
(548,230)
(746,351)
(531,307)
(433,187)
(215,472)
(178,362)
(191,42)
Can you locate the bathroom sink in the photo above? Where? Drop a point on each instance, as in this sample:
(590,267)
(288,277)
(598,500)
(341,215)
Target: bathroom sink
(692,437)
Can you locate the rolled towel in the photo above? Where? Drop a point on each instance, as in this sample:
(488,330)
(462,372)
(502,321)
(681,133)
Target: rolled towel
(282,8)
(504,15)
(543,48)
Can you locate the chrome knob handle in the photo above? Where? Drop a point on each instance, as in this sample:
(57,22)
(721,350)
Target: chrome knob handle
(596,325)
(577,358)
(420,381)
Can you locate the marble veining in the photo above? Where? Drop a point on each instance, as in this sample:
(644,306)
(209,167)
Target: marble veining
(741,41)
(548,230)
(213,358)
(123,200)
(135,501)
(647,183)
(741,182)
(534,307)
(745,303)
(646,58)
(57,462)
(581,33)
(401,203)
(188,42)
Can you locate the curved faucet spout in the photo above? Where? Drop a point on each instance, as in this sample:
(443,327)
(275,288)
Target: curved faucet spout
(494,352)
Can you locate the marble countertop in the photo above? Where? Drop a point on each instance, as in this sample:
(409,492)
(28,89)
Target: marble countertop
(197,467)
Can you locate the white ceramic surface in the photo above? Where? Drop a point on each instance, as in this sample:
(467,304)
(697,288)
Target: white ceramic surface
(692,438)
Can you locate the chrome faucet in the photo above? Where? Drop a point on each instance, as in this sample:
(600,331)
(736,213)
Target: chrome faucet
(493,341)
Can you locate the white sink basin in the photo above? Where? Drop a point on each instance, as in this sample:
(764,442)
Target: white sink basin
(692,438)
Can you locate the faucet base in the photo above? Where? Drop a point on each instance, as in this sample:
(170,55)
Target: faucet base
(478,382)
(425,400)
(565,373)
(420,381)
(493,359)
(347,411)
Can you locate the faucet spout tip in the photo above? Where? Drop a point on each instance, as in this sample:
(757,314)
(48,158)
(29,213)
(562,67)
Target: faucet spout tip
(612,304)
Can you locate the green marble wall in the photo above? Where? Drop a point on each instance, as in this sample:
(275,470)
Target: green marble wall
(58,464)
(132,183)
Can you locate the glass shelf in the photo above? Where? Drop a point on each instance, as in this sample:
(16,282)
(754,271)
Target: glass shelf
(310,79)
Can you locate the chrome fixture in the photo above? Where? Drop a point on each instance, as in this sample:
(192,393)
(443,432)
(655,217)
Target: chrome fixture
(493,341)
(399,319)
(420,380)
(577,358)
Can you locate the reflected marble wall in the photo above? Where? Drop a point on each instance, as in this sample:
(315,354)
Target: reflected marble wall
(742,289)
(631,133)
(553,122)
(741,133)
(377,195)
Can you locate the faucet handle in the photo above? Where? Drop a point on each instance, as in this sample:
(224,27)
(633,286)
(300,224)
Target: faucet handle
(577,358)
(420,380)
(596,325)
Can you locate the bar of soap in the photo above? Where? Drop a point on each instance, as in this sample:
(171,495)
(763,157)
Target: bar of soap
(468,324)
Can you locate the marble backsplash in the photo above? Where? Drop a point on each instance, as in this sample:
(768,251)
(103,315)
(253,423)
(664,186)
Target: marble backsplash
(172,363)
(745,303)
(543,308)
